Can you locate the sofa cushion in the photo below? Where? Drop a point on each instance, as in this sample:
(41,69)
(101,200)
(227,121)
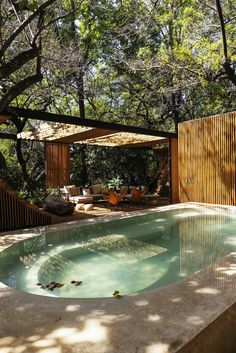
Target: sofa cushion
(124,188)
(72,190)
(105,190)
(86,191)
(88,207)
(96,188)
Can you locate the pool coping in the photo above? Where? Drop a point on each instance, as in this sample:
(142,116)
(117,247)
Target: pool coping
(157,321)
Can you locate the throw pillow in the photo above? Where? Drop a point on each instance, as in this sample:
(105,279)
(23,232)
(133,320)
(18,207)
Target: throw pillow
(96,188)
(86,192)
(124,188)
(72,190)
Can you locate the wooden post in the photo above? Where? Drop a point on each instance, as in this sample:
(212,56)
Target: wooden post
(57,164)
(174,174)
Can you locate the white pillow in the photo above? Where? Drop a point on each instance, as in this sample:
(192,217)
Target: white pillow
(88,207)
(86,192)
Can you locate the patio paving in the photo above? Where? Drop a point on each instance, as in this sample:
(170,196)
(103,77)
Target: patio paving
(104,209)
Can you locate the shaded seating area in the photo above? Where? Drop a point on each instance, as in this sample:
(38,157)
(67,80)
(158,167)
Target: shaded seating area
(60,131)
(96,195)
(67,130)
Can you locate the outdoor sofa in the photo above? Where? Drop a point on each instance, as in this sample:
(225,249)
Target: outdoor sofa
(84,195)
(96,192)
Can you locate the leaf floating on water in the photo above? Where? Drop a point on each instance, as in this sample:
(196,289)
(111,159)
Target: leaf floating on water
(59,285)
(51,286)
(116,292)
(77,283)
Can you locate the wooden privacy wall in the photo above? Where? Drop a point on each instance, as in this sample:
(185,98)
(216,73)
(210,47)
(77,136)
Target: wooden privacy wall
(17,213)
(57,159)
(174,170)
(207,159)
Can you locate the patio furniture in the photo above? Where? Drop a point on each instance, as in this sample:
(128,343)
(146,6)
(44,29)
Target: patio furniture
(58,206)
(114,198)
(81,199)
(84,207)
(137,194)
(82,195)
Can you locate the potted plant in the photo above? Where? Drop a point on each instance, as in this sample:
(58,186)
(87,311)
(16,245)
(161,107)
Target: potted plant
(115,183)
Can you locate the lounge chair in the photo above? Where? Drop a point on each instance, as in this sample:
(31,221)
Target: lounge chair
(137,194)
(114,198)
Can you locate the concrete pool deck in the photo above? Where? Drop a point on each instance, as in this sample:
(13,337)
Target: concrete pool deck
(162,320)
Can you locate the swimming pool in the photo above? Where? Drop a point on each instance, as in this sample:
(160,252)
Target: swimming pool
(131,255)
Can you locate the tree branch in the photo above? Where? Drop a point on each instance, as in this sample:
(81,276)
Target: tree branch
(23,25)
(18,61)
(18,89)
(222,26)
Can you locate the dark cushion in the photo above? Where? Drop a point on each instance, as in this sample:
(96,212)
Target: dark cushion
(58,206)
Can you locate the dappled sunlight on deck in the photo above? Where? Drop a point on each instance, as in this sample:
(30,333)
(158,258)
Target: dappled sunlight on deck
(157,348)
(92,332)
(207,290)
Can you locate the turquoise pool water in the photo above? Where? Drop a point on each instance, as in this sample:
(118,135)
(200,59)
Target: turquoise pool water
(128,255)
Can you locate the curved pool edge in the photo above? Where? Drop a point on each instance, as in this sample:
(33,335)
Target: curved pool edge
(161,320)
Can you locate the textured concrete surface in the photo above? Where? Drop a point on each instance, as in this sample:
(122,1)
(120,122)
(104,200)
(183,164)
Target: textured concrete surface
(156,321)
(218,337)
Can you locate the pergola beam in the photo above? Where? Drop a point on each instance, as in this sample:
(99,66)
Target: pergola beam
(144,144)
(6,136)
(72,120)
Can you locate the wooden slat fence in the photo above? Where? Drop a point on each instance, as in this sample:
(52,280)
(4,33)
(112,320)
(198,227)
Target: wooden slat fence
(16,213)
(57,157)
(174,170)
(207,160)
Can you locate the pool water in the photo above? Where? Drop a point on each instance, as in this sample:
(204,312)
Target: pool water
(128,255)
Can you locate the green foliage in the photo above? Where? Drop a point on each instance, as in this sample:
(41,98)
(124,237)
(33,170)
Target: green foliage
(53,192)
(132,166)
(23,194)
(35,197)
(132,62)
(115,183)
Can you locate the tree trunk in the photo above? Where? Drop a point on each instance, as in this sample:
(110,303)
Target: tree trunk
(80,92)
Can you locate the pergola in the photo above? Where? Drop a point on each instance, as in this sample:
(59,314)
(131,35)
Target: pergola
(59,131)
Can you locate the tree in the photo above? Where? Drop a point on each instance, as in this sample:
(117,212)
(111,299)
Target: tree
(145,63)
(229,64)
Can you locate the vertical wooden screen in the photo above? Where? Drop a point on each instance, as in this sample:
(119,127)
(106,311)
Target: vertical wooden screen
(174,170)
(207,160)
(18,213)
(57,159)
